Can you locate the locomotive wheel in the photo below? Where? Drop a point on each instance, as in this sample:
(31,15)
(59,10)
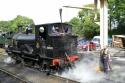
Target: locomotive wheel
(54,69)
(69,65)
(60,70)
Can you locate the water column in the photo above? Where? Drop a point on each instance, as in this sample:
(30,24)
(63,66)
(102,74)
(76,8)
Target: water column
(103,23)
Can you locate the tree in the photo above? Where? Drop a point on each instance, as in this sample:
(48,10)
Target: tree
(75,22)
(12,25)
(117,15)
(21,20)
(90,28)
(84,25)
(4,25)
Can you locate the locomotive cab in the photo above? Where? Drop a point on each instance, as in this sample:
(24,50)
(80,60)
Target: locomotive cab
(57,41)
(56,36)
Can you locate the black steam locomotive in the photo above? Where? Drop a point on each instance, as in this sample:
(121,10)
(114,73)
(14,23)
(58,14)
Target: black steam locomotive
(52,47)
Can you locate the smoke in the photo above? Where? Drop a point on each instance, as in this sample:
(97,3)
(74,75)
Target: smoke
(8,60)
(85,71)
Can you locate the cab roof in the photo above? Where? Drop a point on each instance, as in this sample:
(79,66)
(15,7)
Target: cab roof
(47,24)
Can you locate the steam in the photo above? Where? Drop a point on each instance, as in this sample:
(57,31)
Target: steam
(8,60)
(85,71)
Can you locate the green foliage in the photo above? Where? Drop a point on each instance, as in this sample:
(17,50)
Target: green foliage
(90,28)
(4,25)
(84,25)
(75,22)
(117,15)
(12,25)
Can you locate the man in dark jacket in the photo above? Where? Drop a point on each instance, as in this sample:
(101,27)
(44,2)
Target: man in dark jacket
(105,60)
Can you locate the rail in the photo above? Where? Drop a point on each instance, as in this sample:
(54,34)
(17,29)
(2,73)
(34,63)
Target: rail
(65,79)
(14,76)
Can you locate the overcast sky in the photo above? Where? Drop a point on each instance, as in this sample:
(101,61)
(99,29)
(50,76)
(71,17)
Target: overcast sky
(41,11)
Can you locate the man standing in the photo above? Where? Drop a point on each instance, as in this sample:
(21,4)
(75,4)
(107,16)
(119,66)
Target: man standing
(105,60)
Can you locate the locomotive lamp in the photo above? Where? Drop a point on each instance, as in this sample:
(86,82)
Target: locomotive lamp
(41,29)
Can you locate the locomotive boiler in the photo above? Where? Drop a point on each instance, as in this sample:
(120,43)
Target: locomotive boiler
(53,47)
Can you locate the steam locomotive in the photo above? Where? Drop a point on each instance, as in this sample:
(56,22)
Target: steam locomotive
(52,47)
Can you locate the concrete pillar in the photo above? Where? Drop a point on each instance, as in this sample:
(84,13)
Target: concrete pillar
(103,23)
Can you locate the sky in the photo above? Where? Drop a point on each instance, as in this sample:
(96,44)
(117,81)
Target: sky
(41,11)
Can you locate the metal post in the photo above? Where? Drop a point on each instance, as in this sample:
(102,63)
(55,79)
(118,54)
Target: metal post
(103,23)
(88,48)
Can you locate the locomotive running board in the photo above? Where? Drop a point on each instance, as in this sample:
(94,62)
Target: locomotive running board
(29,58)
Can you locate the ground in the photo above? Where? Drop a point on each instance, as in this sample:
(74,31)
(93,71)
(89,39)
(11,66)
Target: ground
(87,69)
(1,51)
(117,75)
(84,73)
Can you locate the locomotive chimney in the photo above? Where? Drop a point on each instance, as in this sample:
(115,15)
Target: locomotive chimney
(28,29)
(20,29)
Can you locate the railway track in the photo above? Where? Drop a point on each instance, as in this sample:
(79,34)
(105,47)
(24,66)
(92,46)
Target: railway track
(18,79)
(66,80)
(45,79)
(29,75)
(13,77)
